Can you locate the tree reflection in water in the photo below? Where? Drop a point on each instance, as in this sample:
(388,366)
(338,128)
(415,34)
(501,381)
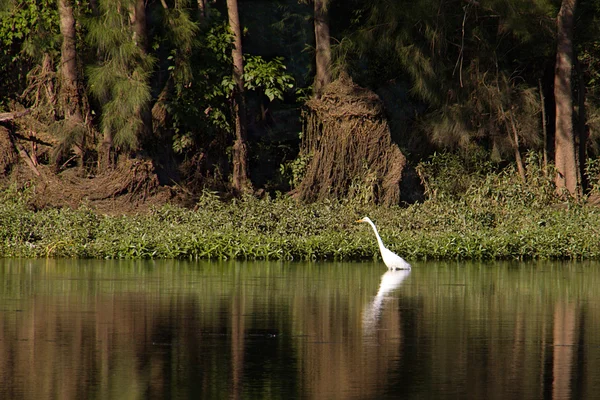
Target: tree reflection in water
(82,329)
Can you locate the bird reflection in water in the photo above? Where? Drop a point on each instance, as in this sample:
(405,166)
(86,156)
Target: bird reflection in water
(391,280)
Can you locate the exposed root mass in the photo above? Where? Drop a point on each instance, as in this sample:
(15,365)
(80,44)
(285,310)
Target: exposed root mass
(352,154)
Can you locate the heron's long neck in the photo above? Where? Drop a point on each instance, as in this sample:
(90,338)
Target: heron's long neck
(381,246)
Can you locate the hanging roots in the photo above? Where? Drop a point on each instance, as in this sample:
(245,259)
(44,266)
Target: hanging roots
(352,154)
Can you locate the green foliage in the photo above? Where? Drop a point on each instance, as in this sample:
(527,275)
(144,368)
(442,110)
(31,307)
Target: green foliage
(121,80)
(180,34)
(28,30)
(471,69)
(268,77)
(588,55)
(498,217)
(30,25)
(449,177)
(592,171)
(295,169)
(201,110)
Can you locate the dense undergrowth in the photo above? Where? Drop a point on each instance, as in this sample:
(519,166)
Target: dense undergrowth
(493,215)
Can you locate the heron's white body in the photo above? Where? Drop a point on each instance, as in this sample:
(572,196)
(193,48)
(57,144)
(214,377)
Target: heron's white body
(390,259)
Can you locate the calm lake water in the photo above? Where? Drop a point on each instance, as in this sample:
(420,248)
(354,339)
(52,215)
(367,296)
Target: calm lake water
(262,330)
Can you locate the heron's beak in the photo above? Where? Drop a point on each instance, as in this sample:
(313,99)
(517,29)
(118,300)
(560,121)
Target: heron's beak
(359,220)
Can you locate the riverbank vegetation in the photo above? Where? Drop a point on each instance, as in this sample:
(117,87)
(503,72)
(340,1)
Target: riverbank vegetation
(493,217)
(256,129)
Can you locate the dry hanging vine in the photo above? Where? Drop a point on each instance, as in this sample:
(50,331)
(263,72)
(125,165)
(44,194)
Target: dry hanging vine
(352,154)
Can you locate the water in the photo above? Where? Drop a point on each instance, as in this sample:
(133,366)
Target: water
(164,329)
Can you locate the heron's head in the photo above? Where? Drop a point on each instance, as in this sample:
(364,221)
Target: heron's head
(365,219)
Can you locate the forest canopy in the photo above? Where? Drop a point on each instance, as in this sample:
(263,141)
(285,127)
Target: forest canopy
(166,97)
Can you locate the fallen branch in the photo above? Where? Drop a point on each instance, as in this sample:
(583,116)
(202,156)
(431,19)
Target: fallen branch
(25,156)
(12,115)
(31,162)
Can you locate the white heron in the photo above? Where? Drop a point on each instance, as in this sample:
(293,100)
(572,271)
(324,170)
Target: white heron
(390,259)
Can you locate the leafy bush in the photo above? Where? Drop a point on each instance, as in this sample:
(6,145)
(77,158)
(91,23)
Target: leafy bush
(449,177)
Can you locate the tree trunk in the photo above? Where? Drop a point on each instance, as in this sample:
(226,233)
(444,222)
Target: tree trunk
(137,15)
(544,127)
(582,128)
(105,160)
(515,141)
(240,180)
(565,160)
(203,10)
(69,77)
(70,97)
(322,46)
(138,22)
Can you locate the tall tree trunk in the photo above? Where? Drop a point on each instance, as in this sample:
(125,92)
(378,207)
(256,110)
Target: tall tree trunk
(203,10)
(322,46)
(544,127)
(137,15)
(105,159)
(70,97)
(69,76)
(105,156)
(582,128)
(515,142)
(105,148)
(564,157)
(240,180)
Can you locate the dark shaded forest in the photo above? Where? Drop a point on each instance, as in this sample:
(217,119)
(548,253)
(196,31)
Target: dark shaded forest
(160,101)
